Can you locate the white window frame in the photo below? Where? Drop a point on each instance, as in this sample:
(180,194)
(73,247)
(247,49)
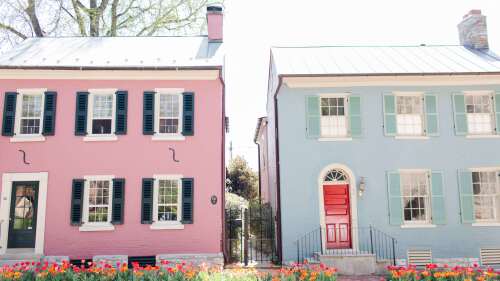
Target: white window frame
(423,134)
(90,112)
(346,137)
(158,225)
(18,137)
(491,94)
(428,209)
(486,222)
(96,226)
(165,136)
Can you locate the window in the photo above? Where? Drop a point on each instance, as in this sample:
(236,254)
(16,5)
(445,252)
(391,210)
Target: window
(167,211)
(102,114)
(29,113)
(333,117)
(409,115)
(97,203)
(479,111)
(486,192)
(169,118)
(416,197)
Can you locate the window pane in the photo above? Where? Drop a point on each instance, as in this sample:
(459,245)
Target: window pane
(415,194)
(30,126)
(486,192)
(98,200)
(168,200)
(333,121)
(169,126)
(101,126)
(32,106)
(169,105)
(103,106)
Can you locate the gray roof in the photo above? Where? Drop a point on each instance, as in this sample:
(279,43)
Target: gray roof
(382,60)
(114,52)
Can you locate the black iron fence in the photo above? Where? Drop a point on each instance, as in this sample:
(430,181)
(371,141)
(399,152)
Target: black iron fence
(339,241)
(250,235)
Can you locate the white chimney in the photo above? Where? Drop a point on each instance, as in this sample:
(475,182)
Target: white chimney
(472,30)
(214,23)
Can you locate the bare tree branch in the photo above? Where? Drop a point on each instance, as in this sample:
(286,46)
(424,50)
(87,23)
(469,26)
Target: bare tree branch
(13,30)
(35,24)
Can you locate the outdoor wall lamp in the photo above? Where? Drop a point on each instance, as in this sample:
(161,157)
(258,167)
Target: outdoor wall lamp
(362,186)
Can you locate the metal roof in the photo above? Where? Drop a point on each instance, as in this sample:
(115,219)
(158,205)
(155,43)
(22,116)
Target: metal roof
(114,52)
(382,60)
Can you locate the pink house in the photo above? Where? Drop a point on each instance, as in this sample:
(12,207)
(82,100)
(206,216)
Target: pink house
(113,148)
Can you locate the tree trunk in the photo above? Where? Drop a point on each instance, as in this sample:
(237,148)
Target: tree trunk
(94,19)
(31,11)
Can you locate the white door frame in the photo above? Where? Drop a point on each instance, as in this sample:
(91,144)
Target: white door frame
(352,198)
(7,180)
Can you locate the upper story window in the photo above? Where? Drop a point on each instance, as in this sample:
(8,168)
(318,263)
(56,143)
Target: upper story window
(479,109)
(31,114)
(409,117)
(169,118)
(415,193)
(333,117)
(477,113)
(101,115)
(486,192)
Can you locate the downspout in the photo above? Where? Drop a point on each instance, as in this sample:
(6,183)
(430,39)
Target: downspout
(278,191)
(258,166)
(223,167)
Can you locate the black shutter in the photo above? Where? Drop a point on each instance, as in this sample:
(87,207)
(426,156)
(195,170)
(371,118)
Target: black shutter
(81,113)
(187,200)
(77,201)
(118,201)
(188,114)
(49,114)
(147,201)
(9,114)
(148,123)
(121,112)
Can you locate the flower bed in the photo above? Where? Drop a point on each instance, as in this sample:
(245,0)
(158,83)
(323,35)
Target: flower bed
(30,271)
(434,273)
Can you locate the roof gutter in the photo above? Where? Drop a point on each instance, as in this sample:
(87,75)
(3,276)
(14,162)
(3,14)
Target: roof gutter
(113,68)
(390,74)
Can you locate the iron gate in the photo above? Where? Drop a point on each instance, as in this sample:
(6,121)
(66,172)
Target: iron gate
(250,235)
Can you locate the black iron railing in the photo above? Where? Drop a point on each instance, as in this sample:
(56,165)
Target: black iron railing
(342,241)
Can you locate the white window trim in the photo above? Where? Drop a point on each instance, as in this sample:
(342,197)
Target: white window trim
(86,226)
(7,180)
(486,222)
(156,225)
(90,111)
(418,224)
(493,134)
(424,135)
(347,137)
(167,137)
(18,137)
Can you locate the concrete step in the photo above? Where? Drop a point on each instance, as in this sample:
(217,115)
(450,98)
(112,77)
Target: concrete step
(351,264)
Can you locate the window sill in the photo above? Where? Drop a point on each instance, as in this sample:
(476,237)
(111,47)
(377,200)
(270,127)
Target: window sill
(486,224)
(27,138)
(97,227)
(166,225)
(422,225)
(167,137)
(411,137)
(100,138)
(335,139)
(482,136)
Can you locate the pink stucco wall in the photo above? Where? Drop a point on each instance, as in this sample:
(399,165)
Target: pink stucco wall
(134,156)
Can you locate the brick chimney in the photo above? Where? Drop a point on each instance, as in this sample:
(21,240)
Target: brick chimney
(472,30)
(214,23)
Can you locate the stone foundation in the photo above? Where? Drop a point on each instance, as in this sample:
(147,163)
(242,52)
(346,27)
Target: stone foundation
(194,259)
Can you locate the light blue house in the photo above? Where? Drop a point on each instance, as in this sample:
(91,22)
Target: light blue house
(389,152)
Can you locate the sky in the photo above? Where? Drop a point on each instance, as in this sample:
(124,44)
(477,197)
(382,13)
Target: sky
(252,27)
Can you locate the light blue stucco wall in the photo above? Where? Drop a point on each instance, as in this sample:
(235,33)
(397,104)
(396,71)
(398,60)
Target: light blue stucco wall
(302,159)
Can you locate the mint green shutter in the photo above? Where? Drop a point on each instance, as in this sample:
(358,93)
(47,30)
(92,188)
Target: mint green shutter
(431,115)
(460,115)
(437,202)
(355,116)
(313,116)
(394,195)
(390,126)
(497,112)
(466,196)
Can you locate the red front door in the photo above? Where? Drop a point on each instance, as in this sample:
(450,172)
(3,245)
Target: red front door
(337,216)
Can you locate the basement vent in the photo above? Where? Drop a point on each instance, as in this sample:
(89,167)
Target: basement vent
(490,257)
(419,257)
(81,262)
(142,261)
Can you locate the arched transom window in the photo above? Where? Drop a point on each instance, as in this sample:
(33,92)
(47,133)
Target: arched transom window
(335,175)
